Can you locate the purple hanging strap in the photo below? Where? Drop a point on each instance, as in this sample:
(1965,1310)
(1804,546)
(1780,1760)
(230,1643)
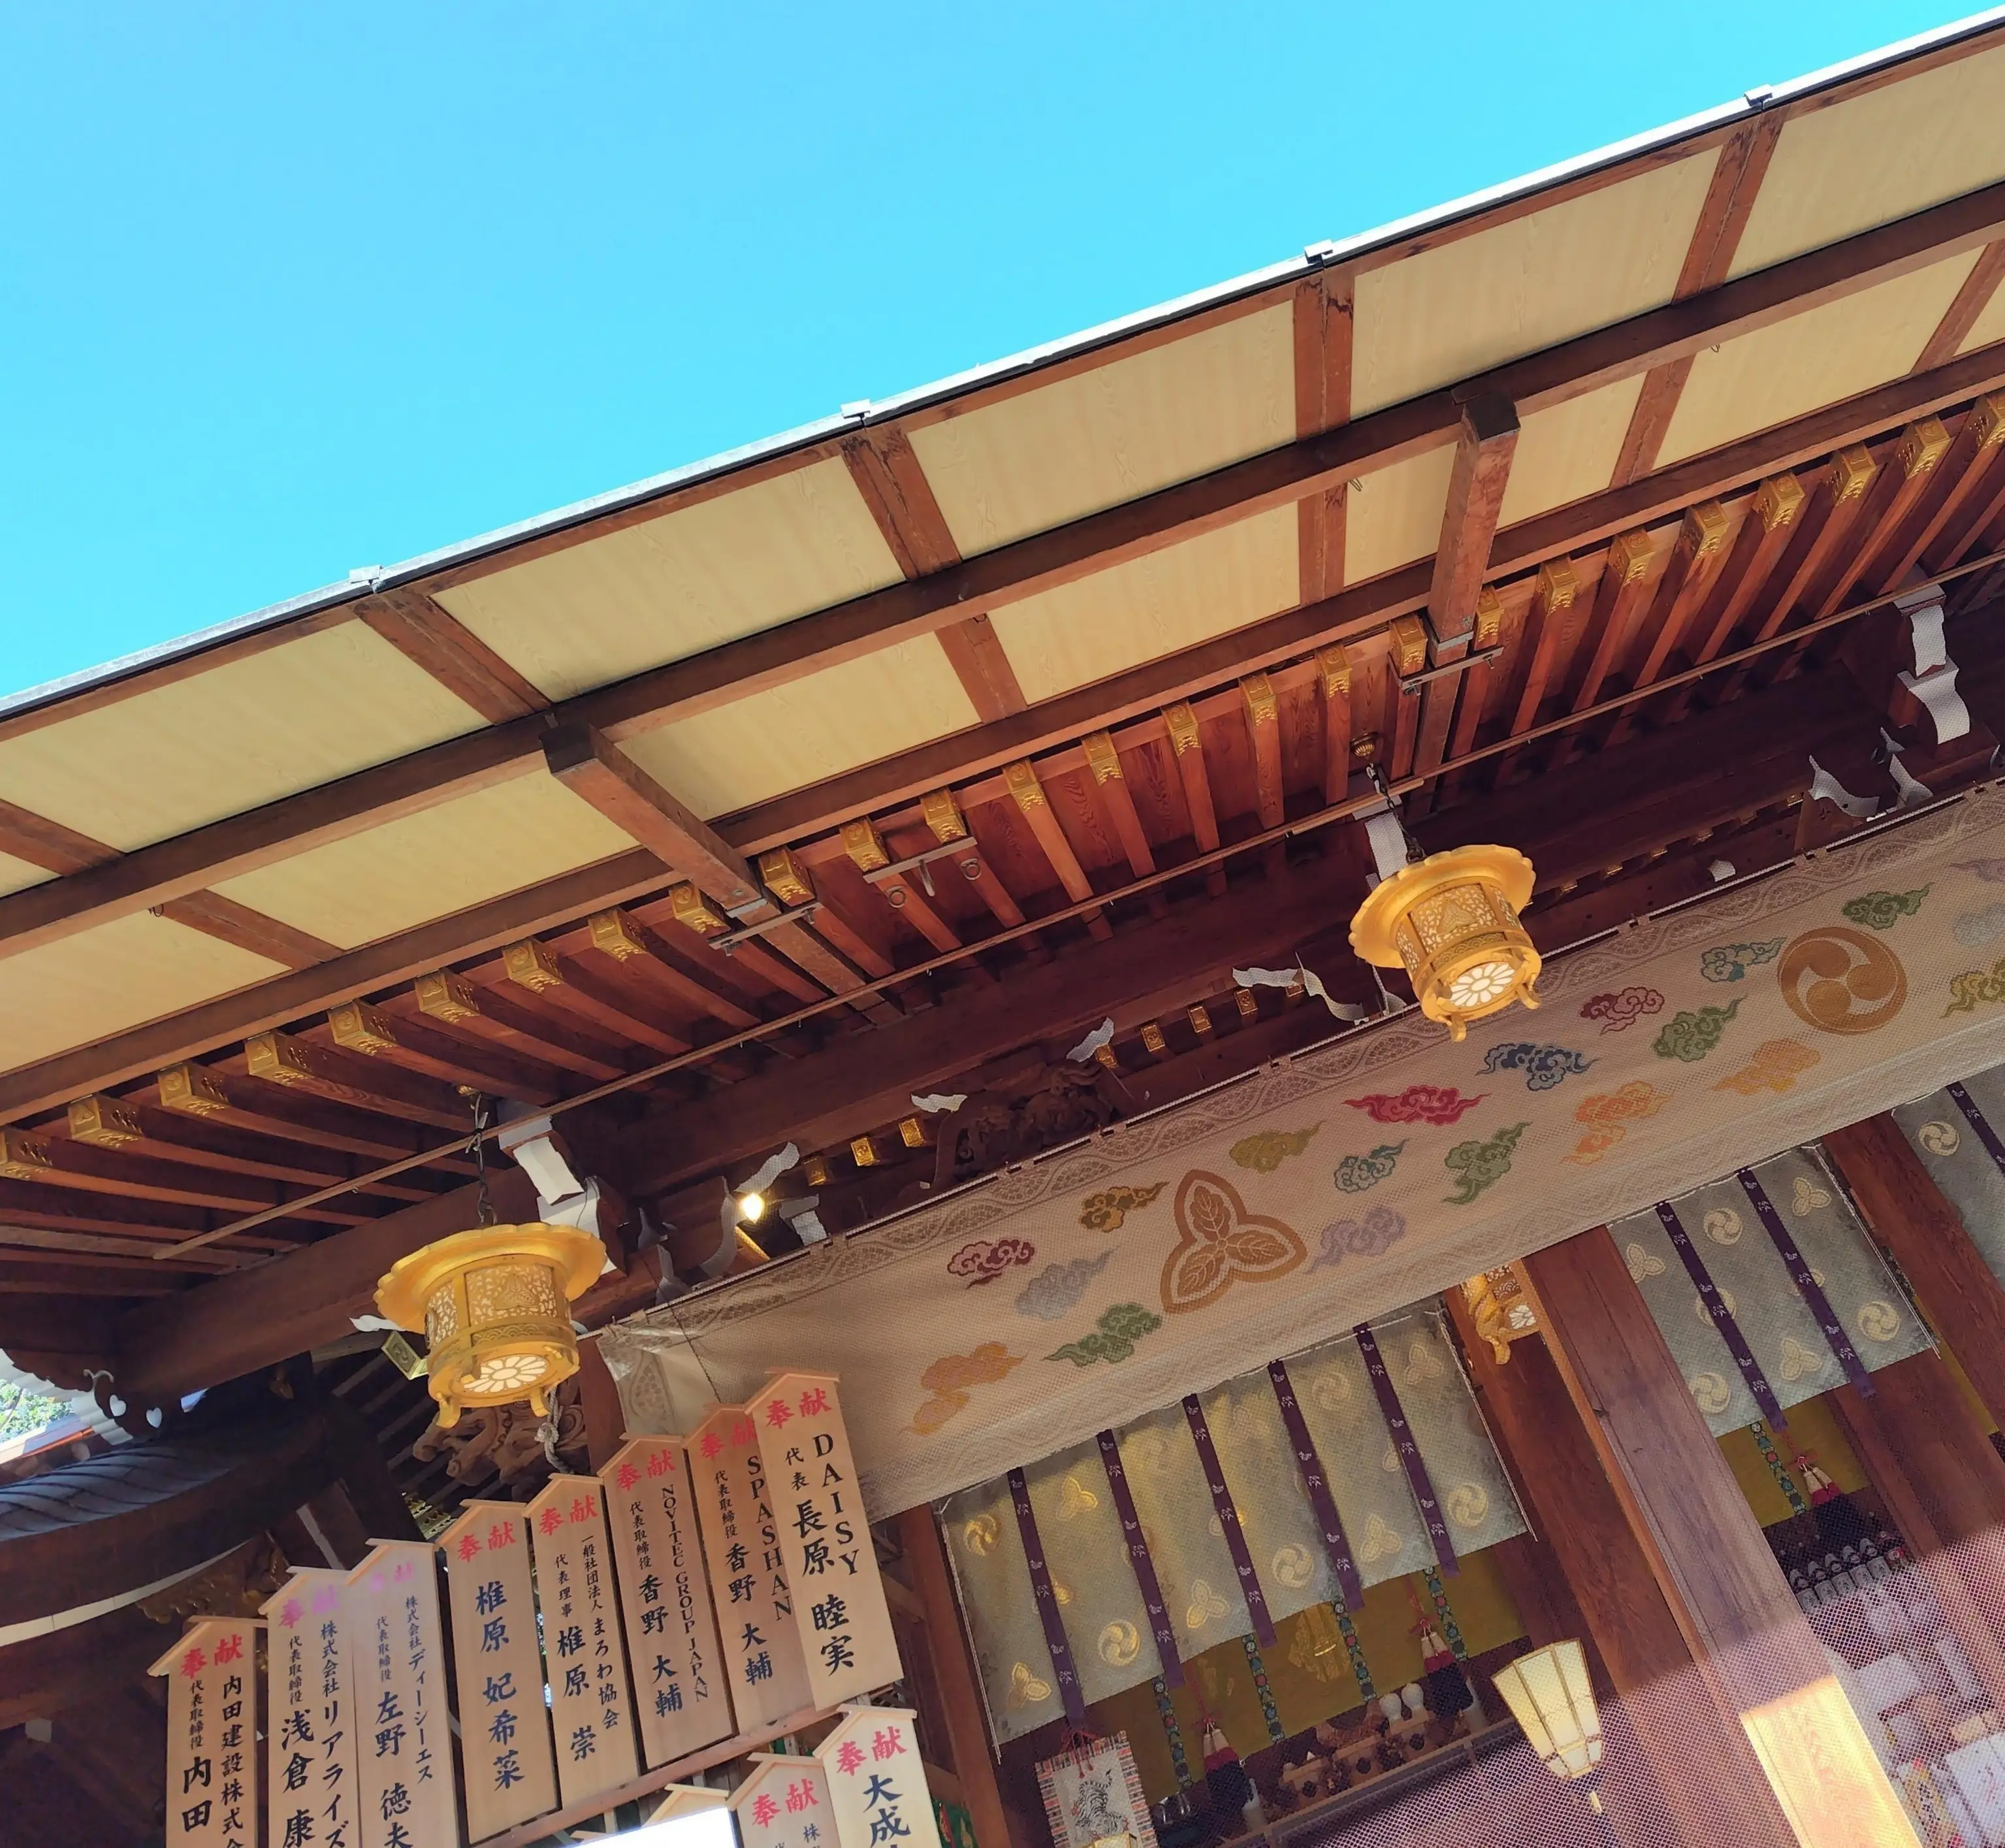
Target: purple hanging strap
(1807,1286)
(1979,1123)
(1723,1317)
(1228,1523)
(1309,1464)
(1138,1557)
(1047,1600)
(1417,1478)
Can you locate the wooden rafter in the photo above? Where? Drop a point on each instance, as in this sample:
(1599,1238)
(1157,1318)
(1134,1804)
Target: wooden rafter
(1323,323)
(1961,315)
(436,641)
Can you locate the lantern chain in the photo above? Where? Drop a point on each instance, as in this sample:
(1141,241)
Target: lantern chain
(483,1210)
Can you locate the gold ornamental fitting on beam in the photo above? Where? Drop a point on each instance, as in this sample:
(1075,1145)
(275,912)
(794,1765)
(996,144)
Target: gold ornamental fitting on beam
(1451,921)
(495,1306)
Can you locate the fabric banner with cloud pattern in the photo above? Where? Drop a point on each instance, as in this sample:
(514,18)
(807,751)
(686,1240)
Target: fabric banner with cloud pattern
(1099,1601)
(1779,1327)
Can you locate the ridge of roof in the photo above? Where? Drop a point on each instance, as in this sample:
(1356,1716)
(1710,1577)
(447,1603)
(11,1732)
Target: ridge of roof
(369,579)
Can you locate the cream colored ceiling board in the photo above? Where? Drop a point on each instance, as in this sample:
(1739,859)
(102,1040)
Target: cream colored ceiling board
(1152,607)
(670,588)
(1990,325)
(1569,451)
(1810,359)
(784,739)
(1042,457)
(16,875)
(1393,515)
(427,865)
(1474,302)
(233,737)
(116,976)
(1881,156)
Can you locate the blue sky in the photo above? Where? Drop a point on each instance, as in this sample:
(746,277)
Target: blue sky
(289,290)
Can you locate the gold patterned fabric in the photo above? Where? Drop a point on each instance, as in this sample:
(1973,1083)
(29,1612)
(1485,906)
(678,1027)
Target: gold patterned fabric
(1099,1604)
(1719,1219)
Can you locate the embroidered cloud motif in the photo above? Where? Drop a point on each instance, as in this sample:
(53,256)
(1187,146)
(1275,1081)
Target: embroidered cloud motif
(1058,1287)
(1543,1066)
(1370,1235)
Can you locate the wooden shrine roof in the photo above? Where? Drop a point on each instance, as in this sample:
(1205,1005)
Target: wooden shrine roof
(1110,611)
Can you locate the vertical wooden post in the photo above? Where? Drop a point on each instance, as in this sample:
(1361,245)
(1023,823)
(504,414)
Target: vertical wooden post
(1608,1583)
(1922,1448)
(1909,1216)
(968,1731)
(1749,1640)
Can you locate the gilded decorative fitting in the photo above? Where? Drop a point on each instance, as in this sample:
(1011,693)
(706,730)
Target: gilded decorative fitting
(694,909)
(943,816)
(1152,1038)
(192,1089)
(102,1121)
(1200,1020)
(1250,1009)
(616,934)
(1101,758)
(447,996)
(814,1171)
(1629,556)
(1500,1310)
(23,1157)
(1023,784)
(1406,638)
(1850,471)
(1295,990)
(863,843)
(785,877)
(912,1132)
(1333,670)
(1451,921)
(1559,584)
(1778,500)
(362,1028)
(1705,528)
(1489,618)
(1987,421)
(1365,746)
(1182,720)
(1105,1055)
(1921,446)
(278,1058)
(1258,692)
(532,965)
(863,1151)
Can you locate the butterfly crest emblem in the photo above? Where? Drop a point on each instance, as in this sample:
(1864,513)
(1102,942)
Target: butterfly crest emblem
(1218,1241)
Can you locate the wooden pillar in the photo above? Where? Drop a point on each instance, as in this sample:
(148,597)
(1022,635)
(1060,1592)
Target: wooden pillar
(1608,1586)
(953,1675)
(598,1399)
(1909,1217)
(1922,1448)
(1750,1642)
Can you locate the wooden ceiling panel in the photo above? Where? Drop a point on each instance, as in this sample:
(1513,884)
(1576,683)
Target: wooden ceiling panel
(1394,515)
(17,875)
(818,726)
(1569,451)
(1152,607)
(420,867)
(217,743)
(1039,459)
(1879,155)
(1157,788)
(672,587)
(1009,848)
(1471,303)
(105,980)
(1813,359)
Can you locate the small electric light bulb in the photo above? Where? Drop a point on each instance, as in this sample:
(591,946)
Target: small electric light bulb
(751,1208)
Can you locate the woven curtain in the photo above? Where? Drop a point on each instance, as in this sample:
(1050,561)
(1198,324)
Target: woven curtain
(1961,1166)
(1098,1603)
(1719,1219)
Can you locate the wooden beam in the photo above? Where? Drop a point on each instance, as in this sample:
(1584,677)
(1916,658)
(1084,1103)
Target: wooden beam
(1740,1622)
(1619,599)
(1985,505)
(1103,763)
(344,1077)
(1695,560)
(502,1012)
(204,1095)
(1035,807)
(48,844)
(1262,712)
(1486,442)
(225,919)
(1547,623)
(1323,324)
(1737,174)
(647,958)
(1187,745)
(1333,688)
(1575,1510)
(903,894)
(1894,491)
(1926,1235)
(416,1045)
(889,475)
(1765,531)
(435,640)
(1134,529)
(1961,316)
(1958,485)
(63,1162)
(1815,552)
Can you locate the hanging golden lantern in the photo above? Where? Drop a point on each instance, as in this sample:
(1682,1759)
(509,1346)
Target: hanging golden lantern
(1451,921)
(495,1306)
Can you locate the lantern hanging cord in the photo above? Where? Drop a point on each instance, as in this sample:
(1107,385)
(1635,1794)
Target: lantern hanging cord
(476,1146)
